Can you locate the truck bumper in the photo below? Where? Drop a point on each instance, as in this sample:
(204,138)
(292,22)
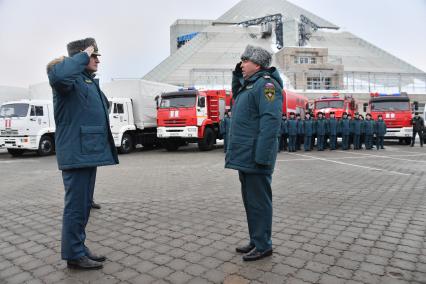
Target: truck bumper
(395,133)
(27,142)
(179,132)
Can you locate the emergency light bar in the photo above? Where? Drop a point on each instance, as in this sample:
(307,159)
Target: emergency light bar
(187,89)
(387,95)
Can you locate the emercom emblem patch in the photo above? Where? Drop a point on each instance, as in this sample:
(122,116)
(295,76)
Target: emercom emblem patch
(269,92)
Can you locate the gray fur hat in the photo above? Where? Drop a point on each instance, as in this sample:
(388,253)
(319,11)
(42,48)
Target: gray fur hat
(77,46)
(257,55)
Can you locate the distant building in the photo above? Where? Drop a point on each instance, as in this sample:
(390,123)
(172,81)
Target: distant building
(313,55)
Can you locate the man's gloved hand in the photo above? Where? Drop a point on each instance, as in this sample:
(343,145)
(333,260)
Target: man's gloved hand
(89,50)
(238,68)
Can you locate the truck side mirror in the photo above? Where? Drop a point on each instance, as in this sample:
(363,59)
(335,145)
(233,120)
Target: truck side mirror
(202,102)
(365,105)
(157,101)
(416,105)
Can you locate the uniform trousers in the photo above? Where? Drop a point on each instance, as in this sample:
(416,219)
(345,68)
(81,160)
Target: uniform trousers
(357,141)
(257,198)
(307,143)
(79,187)
(380,142)
(368,141)
(345,142)
(333,139)
(292,143)
(320,142)
(415,132)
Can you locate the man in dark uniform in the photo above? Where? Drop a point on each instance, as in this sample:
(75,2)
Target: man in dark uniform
(83,142)
(332,125)
(253,143)
(380,132)
(369,128)
(284,133)
(300,133)
(345,129)
(358,127)
(320,130)
(224,129)
(418,127)
(292,133)
(308,129)
(351,131)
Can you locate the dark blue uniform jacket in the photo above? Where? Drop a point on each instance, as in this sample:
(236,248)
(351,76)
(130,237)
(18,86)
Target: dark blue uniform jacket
(83,137)
(256,122)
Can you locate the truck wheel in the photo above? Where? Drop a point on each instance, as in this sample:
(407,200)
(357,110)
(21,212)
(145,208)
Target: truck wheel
(207,142)
(16,152)
(126,144)
(46,146)
(170,145)
(407,141)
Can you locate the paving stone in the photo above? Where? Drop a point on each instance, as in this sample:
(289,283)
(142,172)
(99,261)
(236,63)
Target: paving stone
(183,228)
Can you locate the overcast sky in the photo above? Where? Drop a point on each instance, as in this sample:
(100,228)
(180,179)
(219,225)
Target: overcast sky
(133,35)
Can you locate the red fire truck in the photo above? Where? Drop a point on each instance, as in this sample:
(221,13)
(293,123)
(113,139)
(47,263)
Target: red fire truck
(337,104)
(396,112)
(293,102)
(191,116)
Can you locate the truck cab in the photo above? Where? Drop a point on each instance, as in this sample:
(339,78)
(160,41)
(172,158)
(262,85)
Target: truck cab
(336,104)
(121,120)
(27,125)
(396,112)
(191,116)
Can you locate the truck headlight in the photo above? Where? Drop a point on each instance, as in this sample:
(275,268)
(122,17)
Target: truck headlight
(192,129)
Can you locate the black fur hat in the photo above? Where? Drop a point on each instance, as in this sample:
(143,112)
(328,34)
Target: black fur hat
(257,55)
(77,46)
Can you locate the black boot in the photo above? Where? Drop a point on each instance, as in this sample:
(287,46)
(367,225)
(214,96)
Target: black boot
(84,263)
(95,205)
(95,257)
(245,249)
(256,255)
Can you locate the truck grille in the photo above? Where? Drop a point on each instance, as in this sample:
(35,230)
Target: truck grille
(176,121)
(9,132)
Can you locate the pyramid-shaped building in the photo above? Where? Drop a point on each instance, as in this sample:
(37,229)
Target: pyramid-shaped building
(212,48)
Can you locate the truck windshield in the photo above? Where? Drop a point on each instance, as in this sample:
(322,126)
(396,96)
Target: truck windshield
(14,110)
(177,101)
(390,106)
(328,104)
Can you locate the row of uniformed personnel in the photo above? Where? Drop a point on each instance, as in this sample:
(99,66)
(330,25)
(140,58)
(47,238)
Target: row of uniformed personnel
(295,130)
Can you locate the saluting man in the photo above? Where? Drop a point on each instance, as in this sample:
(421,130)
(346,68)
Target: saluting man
(253,143)
(83,142)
